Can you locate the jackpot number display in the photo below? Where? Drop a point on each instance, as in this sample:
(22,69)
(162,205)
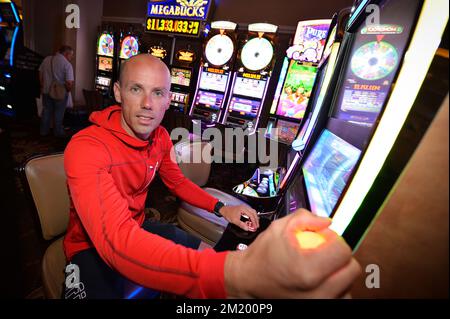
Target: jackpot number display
(173,26)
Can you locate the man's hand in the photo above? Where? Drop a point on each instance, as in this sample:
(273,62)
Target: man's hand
(276,266)
(233,215)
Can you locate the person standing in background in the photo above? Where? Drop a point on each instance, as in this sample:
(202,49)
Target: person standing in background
(55,68)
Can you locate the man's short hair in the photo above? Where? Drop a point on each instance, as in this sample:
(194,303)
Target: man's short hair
(65,49)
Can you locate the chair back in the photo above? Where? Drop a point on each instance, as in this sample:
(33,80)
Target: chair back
(194,159)
(47,183)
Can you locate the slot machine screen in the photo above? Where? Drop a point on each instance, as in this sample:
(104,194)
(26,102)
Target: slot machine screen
(129,47)
(249,87)
(106,45)
(312,39)
(103,81)
(327,170)
(105,64)
(245,106)
(209,99)
(178,97)
(296,91)
(374,60)
(180,76)
(213,81)
(276,96)
(286,131)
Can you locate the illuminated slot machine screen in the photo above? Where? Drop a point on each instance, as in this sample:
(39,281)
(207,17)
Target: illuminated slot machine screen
(373,64)
(246,107)
(103,81)
(257,53)
(311,37)
(296,91)
(180,76)
(209,99)
(213,81)
(219,49)
(105,64)
(327,170)
(106,45)
(286,131)
(129,47)
(280,82)
(179,97)
(249,87)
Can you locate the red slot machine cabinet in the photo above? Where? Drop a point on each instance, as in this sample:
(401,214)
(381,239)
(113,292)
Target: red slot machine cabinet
(219,51)
(256,60)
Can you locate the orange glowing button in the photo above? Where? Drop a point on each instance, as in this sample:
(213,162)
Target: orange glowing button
(309,240)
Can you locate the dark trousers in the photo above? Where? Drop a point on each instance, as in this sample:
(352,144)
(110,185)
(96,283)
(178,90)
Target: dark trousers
(53,109)
(99,281)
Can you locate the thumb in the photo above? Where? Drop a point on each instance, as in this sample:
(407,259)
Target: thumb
(306,221)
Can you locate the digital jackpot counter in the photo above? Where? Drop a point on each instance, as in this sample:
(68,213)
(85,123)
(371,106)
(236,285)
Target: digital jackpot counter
(105,63)
(296,81)
(256,59)
(215,72)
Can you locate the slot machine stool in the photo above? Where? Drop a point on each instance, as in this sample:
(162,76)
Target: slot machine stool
(199,222)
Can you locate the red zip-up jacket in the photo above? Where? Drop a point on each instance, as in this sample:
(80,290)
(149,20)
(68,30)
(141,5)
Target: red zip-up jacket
(108,174)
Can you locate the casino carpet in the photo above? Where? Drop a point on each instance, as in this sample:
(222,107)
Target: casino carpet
(19,141)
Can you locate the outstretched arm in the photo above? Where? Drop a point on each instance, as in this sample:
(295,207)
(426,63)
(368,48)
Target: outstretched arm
(189,192)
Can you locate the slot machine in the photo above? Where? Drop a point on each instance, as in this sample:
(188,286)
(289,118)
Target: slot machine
(342,173)
(10,39)
(256,60)
(129,47)
(215,72)
(181,78)
(354,156)
(326,68)
(296,81)
(105,61)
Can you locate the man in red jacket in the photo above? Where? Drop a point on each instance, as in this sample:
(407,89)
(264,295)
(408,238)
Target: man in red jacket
(109,167)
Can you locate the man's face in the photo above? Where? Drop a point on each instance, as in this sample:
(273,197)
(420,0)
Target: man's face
(69,55)
(144,92)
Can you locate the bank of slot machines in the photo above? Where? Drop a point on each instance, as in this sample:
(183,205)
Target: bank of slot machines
(348,149)
(219,53)
(253,70)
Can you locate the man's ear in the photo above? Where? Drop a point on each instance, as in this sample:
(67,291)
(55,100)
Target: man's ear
(168,102)
(117,95)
